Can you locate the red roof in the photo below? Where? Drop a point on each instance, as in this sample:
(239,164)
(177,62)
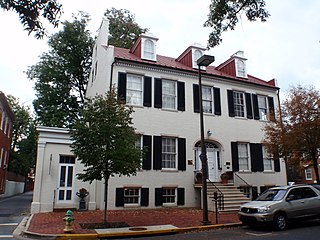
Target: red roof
(163,61)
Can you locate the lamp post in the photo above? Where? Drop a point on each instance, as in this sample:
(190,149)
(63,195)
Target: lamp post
(204,60)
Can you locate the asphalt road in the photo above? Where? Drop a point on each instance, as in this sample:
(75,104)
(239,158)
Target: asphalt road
(309,230)
(12,211)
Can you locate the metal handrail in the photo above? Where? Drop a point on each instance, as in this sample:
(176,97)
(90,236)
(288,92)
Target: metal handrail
(246,183)
(220,195)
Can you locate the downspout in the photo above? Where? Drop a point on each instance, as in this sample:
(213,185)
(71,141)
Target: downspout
(111,73)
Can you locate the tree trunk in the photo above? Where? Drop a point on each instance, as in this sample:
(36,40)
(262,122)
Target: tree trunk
(106,180)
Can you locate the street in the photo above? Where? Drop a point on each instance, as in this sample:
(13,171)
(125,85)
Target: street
(12,211)
(297,231)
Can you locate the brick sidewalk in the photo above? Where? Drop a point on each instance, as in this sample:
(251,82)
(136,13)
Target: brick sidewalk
(52,223)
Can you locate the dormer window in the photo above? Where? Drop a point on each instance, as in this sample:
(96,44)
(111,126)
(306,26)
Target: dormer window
(196,55)
(241,68)
(149,50)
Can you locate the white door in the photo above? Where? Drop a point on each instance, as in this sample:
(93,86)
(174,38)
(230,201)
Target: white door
(65,188)
(213,168)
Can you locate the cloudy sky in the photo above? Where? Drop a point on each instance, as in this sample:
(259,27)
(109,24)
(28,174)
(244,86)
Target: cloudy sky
(286,47)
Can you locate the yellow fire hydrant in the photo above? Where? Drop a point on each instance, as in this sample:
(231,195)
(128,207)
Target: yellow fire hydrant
(68,218)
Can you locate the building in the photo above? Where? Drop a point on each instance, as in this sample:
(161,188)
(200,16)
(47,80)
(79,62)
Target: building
(6,123)
(164,93)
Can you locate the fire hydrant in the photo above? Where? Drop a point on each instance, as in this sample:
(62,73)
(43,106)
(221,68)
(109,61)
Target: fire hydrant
(68,218)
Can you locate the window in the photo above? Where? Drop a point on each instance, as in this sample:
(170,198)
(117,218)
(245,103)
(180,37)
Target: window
(134,90)
(2,159)
(263,110)
(308,173)
(149,50)
(169,153)
(196,55)
(207,99)
(238,98)
(267,159)
(241,68)
(169,94)
(169,195)
(243,156)
(132,196)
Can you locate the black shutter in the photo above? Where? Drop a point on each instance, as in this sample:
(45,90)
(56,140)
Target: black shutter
(181,196)
(230,103)
(144,197)
(146,162)
(157,152)
(277,165)
(271,107)
(147,92)
(122,86)
(181,96)
(182,154)
(235,156)
(119,197)
(256,157)
(158,93)
(217,101)
(196,104)
(255,107)
(158,197)
(249,106)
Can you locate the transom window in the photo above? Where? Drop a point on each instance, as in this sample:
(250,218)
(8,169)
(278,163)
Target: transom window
(243,156)
(267,159)
(263,110)
(169,195)
(134,90)
(207,99)
(169,94)
(169,153)
(148,51)
(238,98)
(131,195)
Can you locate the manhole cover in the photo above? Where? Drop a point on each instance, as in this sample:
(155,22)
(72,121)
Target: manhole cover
(137,229)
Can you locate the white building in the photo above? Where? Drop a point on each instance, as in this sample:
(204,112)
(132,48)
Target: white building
(164,93)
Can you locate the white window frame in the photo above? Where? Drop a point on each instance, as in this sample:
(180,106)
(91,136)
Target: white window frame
(244,157)
(169,98)
(2,157)
(241,68)
(196,54)
(169,159)
(308,173)
(134,91)
(169,194)
(3,119)
(267,160)
(133,193)
(263,110)
(207,99)
(148,49)
(239,104)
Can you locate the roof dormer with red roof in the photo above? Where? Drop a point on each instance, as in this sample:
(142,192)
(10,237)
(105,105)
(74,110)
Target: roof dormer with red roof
(190,56)
(145,47)
(235,65)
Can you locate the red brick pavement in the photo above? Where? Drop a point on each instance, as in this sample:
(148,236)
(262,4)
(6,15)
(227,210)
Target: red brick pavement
(52,223)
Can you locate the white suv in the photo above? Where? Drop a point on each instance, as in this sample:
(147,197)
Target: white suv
(277,205)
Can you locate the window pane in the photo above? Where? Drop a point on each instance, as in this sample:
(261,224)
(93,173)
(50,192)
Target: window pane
(262,103)
(238,104)
(63,176)
(148,49)
(134,90)
(267,159)
(68,197)
(61,194)
(169,94)
(207,99)
(243,156)
(131,195)
(70,176)
(169,195)
(169,153)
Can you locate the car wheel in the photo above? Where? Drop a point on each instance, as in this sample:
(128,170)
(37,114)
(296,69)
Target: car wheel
(280,221)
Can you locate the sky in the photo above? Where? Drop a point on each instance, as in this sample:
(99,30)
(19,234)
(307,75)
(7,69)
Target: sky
(286,47)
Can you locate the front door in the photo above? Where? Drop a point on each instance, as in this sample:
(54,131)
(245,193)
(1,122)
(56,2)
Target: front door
(66,179)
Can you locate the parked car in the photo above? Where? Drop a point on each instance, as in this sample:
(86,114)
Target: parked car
(278,205)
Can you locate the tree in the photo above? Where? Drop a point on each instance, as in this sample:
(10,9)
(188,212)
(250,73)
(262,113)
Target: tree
(104,140)
(24,139)
(297,133)
(123,30)
(225,14)
(61,75)
(32,12)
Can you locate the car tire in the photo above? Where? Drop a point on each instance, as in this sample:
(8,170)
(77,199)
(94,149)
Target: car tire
(280,222)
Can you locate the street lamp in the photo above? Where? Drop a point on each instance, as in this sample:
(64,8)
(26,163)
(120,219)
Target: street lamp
(204,60)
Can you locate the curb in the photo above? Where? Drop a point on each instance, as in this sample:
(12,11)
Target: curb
(127,234)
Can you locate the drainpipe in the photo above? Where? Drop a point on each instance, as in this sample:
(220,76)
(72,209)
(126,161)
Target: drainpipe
(111,73)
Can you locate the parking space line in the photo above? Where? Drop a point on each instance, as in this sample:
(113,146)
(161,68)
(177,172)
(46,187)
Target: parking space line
(259,234)
(9,224)
(6,236)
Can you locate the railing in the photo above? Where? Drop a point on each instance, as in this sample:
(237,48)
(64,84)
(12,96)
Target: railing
(220,196)
(248,185)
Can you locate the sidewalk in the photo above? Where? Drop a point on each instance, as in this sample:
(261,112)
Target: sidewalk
(179,218)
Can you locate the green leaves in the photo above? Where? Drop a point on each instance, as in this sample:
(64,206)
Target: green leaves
(225,14)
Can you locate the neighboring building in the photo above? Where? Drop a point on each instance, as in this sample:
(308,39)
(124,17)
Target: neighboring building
(6,123)
(164,94)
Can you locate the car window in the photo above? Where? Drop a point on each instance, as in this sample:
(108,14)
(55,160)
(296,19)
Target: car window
(308,193)
(316,186)
(295,194)
(272,195)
